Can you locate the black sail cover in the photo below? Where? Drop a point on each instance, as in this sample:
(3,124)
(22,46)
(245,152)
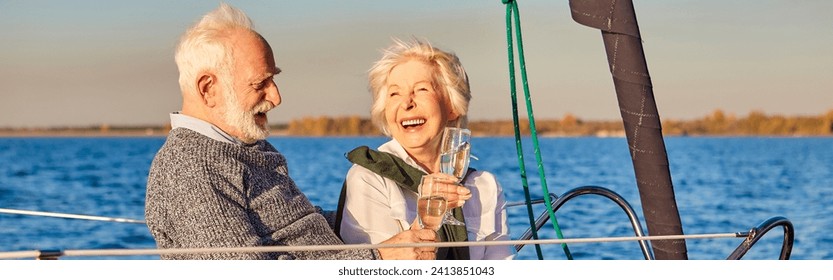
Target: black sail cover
(623,44)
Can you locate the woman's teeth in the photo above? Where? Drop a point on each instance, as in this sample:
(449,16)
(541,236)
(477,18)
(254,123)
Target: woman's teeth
(413,122)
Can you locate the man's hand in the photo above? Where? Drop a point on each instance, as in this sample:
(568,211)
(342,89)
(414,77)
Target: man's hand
(414,235)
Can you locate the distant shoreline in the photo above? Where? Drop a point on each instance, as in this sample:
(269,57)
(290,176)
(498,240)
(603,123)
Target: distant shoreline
(75,132)
(158,133)
(717,123)
(83,132)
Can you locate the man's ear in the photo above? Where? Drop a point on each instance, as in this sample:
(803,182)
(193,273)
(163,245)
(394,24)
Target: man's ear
(207,89)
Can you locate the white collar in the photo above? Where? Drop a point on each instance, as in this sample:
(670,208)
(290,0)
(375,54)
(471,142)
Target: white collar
(396,149)
(202,127)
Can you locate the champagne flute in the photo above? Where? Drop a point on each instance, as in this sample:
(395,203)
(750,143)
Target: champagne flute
(455,150)
(431,205)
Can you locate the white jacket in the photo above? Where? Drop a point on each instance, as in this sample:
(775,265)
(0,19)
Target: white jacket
(376,208)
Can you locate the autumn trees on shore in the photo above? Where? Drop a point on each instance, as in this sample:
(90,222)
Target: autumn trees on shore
(716,123)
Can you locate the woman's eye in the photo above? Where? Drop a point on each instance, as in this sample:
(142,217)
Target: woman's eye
(394,93)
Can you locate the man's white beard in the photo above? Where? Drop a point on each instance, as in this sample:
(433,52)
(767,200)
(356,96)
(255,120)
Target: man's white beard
(245,120)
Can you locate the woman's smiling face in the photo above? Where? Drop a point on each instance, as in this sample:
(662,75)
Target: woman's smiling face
(415,110)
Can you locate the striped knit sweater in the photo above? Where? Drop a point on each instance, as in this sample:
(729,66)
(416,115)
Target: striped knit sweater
(206,193)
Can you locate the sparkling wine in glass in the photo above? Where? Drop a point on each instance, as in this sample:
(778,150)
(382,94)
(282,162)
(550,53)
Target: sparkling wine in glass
(455,162)
(431,205)
(455,151)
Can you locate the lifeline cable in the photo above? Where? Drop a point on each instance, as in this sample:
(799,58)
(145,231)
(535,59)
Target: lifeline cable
(69,216)
(54,254)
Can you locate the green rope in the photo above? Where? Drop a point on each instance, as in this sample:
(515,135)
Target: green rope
(512,9)
(518,145)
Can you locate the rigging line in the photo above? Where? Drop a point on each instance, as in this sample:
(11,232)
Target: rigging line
(69,216)
(512,7)
(263,249)
(518,145)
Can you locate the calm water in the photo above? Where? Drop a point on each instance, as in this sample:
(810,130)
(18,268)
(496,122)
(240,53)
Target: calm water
(722,185)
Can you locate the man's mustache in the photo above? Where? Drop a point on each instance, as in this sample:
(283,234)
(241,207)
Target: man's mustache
(263,107)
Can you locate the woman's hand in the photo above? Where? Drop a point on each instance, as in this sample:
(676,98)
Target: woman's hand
(454,193)
(416,234)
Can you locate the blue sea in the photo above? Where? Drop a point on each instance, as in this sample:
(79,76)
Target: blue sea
(722,185)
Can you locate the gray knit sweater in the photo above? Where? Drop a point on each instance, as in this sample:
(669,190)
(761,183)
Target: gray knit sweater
(206,193)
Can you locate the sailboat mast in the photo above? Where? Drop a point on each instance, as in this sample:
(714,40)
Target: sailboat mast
(626,59)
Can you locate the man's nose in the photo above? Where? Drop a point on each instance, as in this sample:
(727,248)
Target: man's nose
(273,94)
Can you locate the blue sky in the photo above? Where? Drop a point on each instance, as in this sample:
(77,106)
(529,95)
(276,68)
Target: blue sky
(71,63)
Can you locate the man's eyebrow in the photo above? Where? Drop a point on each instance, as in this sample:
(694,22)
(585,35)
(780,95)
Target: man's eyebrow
(266,76)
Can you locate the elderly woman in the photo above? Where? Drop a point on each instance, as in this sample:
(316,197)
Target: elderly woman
(417,91)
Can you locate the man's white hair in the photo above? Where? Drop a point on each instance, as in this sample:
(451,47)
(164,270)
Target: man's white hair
(203,46)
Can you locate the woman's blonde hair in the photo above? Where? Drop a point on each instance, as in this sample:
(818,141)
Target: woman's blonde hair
(449,75)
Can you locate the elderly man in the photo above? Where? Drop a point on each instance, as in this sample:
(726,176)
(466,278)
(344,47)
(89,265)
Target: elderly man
(216,182)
